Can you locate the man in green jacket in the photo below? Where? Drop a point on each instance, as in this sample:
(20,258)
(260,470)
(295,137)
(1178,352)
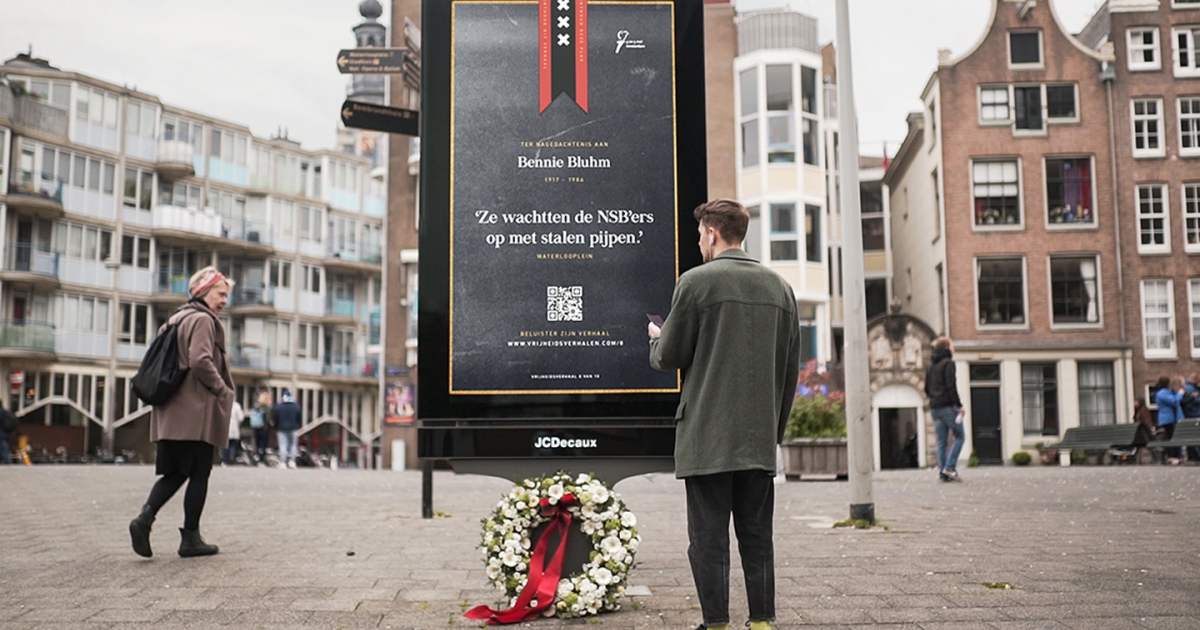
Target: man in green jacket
(734,332)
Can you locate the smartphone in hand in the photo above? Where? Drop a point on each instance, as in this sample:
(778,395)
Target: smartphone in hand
(657,319)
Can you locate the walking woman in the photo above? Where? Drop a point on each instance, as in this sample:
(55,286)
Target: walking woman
(1167,397)
(195,421)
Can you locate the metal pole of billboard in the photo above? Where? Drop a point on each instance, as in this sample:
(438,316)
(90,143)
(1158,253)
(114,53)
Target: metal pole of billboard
(426,488)
(857,372)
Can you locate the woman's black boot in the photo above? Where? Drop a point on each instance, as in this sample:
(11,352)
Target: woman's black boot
(191,544)
(139,531)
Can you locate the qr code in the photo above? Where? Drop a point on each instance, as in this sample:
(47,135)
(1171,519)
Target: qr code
(564,304)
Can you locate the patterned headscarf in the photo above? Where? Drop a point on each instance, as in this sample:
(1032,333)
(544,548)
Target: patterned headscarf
(206,281)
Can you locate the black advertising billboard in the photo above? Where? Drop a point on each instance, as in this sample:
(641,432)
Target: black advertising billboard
(563,197)
(562,154)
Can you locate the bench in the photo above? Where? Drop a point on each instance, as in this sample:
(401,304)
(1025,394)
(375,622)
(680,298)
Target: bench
(1187,433)
(1105,437)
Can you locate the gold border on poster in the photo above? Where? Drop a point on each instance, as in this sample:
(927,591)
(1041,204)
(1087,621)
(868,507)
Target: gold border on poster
(674,179)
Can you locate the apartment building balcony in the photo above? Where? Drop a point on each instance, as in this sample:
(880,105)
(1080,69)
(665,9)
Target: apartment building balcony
(176,159)
(171,290)
(248,238)
(338,312)
(247,302)
(252,361)
(35,265)
(37,193)
(364,259)
(30,114)
(350,366)
(27,339)
(186,226)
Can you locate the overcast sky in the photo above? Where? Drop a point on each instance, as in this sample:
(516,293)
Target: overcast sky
(268,64)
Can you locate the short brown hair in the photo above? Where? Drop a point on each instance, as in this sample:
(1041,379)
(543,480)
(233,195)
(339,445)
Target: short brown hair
(942,343)
(726,216)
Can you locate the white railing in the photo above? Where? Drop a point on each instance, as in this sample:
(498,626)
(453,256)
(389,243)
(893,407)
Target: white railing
(187,220)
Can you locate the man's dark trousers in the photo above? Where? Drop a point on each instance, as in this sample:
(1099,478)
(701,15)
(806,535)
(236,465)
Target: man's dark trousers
(749,495)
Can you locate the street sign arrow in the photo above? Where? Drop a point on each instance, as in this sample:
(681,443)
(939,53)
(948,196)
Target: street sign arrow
(380,118)
(371,60)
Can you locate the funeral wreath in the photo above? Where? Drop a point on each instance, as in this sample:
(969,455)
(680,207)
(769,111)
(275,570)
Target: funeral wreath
(509,553)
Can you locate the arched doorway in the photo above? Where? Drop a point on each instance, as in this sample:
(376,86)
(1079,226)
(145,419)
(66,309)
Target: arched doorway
(897,415)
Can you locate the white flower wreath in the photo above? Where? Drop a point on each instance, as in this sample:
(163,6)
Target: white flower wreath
(602,516)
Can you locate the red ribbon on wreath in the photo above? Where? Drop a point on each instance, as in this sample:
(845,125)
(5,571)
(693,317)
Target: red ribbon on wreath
(542,586)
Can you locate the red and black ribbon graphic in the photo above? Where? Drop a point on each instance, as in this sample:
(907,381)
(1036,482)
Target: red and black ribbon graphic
(562,51)
(542,586)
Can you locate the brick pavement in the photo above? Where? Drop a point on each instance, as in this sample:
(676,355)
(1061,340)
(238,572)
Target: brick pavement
(1081,547)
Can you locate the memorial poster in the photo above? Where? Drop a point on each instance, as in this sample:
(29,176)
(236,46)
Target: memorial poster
(563,233)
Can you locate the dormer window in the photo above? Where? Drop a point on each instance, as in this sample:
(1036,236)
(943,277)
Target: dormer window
(1025,48)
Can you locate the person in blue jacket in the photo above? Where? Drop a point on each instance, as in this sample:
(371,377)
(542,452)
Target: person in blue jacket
(287,418)
(1168,397)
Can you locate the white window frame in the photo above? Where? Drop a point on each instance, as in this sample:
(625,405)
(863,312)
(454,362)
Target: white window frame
(1006,90)
(1097,298)
(1193,120)
(1077,224)
(1169,315)
(1040,63)
(1164,216)
(1190,66)
(1185,4)
(1020,223)
(1024,323)
(792,236)
(1058,120)
(1135,46)
(1189,196)
(1029,131)
(1194,315)
(1135,119)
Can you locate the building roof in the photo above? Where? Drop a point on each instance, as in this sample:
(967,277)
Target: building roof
(1095,32)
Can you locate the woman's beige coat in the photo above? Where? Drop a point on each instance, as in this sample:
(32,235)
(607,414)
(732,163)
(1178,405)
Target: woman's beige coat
(200,410)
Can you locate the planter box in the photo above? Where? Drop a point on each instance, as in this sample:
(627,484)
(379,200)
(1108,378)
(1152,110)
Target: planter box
(827,457)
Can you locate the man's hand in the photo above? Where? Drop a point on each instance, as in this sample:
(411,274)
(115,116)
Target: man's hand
(653,330)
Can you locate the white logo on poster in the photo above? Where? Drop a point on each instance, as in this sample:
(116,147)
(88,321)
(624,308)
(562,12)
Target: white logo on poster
(623,41)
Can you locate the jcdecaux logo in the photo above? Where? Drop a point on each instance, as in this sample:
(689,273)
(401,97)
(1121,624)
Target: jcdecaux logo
(554,442)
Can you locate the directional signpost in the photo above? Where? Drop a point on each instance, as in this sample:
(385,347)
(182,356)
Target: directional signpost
(371,60)
(380,118)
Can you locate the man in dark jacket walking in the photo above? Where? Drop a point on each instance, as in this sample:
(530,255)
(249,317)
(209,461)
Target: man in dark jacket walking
(286,416)
(942,389)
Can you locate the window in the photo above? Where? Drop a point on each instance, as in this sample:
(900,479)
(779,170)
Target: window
(140,120)
(96,107)
(996,188)
(1039,393)
(175,268)
(750,143)
(1194,314)
(310,223)
(1025,48)
(748,91)
(1143,48)
(811,141)
(1147,127)
(875,296)
(1028,103)
(993,104)
(812,233)
(279,337)
(53,93)
(1097,402)
(1191,217)
(1153,229)
(1187,55)
(279,274)
(871,201)
(1069,190)
(135,323)
(1001,288)
(781,116)
(1189,125)
(310,278)
(80,313)
(82,242)
(1060,102)
(179,194)
(139,186)
(783,232)
(1074,290)
(1158,319)
(309,346)
(135,251)
(808,89)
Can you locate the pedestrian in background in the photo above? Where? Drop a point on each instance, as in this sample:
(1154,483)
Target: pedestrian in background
(8,432)
(941,386)
(1168,396)
(260,423)
(1142,414)
(235,434)
(733,329)
(287,418)
(195,421)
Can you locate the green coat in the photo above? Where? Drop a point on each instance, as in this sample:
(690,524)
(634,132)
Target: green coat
(733,331)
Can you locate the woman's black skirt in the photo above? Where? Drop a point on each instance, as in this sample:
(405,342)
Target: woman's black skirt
(184,458)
